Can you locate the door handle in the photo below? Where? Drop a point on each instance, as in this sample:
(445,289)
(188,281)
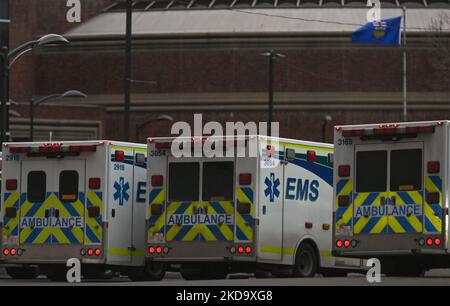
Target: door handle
(264,209)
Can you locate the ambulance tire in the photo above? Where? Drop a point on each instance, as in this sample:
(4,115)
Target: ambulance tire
(154,271)
(22,272)
(57,274)
(306,261)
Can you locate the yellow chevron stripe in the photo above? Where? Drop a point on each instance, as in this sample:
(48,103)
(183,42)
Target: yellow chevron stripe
(12,223)
(239,220)
(362,222)
(175,228)
(92,222)
(348,214)
(435,220)
(224,229)
(42,236)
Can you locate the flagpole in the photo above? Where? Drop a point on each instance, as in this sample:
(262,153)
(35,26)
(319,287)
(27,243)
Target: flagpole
(405,88)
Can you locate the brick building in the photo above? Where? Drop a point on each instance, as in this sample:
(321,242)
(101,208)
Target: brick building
(205,57)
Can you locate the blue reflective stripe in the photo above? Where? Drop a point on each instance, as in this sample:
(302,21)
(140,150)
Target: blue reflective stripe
(180,235)
(153,194)
(240,235)
(405,224)
(370,198)
(248,192)
(34,234)
(370,225)
(68,233)
(340,185)
(215,231)
(91,236)
(437,181)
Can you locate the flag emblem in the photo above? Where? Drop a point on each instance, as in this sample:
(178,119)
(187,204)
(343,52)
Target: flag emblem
(379,29)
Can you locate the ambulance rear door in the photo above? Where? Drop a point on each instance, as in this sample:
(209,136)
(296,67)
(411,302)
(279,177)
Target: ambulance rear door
(52,205)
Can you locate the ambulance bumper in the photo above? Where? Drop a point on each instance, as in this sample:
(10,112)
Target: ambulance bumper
(49,254)
(388,245)
(189,251)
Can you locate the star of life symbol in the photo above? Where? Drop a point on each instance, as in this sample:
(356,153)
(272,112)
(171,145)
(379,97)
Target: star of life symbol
(121,193)
(272,185)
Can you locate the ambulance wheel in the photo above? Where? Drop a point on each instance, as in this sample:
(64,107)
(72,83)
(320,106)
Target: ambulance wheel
(57,274)
(154,271)
(22,272)
(306,261)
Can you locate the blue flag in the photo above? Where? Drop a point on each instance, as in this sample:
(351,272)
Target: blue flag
(384,32)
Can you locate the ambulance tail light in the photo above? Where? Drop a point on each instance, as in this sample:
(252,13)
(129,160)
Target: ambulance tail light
(79,148)
(6,252)
(151,250)
(158,250)
(437,241)
(98,252)
(11,184)
(240,249)
(429,241)
(433,197)
(13,252)
(352,133)
(17,150)
(343,201)
(248,250)
(344,171)
(157,180)
(245,179)
(50,148)
(94,183)
(346,244)
(433,167)
(90,252)
(163,145)
(339,244)
(119,155)
(311,156)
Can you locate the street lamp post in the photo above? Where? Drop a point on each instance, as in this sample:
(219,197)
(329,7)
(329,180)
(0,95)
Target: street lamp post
(128,33)
(325,122)
(36,103)
(140,126)
(8,59)
(272,55)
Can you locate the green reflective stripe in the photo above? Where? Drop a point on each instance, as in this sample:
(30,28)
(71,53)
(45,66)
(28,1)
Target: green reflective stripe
(126,252)
(277,250)
(300,146)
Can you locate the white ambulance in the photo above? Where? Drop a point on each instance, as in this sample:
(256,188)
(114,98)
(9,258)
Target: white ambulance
(391,195)
(265,206)
(82,200)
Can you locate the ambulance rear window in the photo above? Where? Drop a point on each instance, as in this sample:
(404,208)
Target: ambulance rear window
(406,170)
(68,186)
(371,171)
(36,186)
(184,181)
(218,181)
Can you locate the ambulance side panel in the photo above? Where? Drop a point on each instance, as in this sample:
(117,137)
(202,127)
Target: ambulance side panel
(139,207)
(270,229)
(156,195)
(120,201)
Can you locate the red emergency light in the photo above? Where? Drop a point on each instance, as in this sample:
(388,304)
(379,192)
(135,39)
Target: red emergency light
(245,179)
(11,184)
(157,180)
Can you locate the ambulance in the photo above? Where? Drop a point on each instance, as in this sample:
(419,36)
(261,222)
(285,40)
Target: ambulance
(83,200)
(263,206)
(391,196)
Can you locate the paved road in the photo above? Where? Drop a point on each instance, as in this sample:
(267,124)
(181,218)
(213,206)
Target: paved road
(433,278)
